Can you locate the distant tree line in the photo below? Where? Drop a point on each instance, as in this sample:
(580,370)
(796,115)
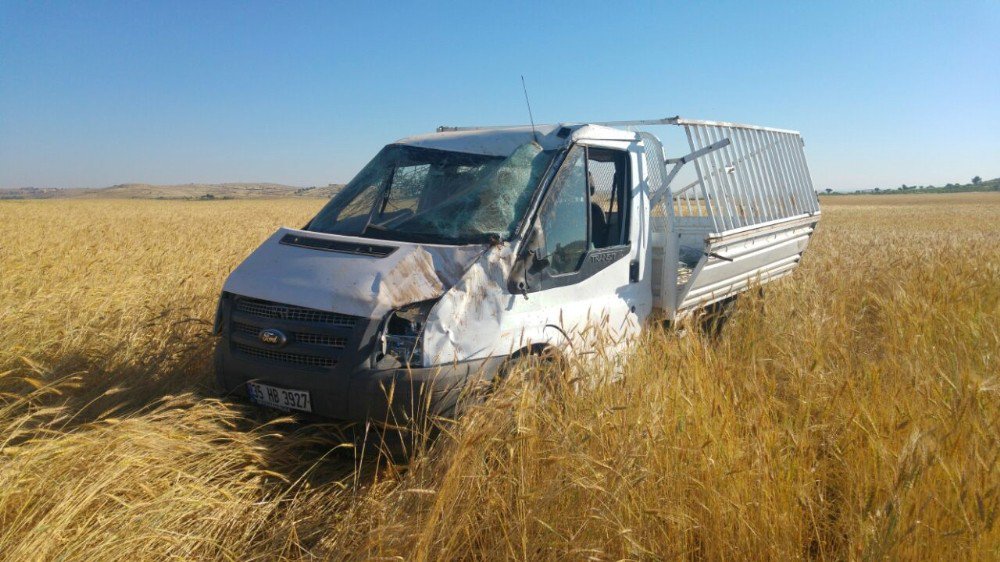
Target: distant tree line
(976,184)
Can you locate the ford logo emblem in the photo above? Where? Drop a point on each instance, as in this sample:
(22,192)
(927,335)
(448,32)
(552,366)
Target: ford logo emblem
(271,336)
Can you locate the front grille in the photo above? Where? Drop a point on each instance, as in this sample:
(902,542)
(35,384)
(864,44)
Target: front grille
(298,337)
(247,329)
(267,309)
(280,356)
(320,339)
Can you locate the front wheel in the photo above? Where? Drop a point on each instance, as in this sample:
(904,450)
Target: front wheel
(539,365)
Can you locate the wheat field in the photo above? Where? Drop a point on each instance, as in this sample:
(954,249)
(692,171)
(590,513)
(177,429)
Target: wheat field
(850,412)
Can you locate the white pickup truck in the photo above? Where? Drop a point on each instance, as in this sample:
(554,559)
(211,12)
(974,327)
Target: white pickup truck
(452,252)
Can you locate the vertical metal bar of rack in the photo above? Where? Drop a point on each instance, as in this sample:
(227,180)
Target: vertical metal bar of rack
(747,213)
(739,175)
(724,183)
(790,150)
(781,181)
(793,173)
(789,179)
(709,204)
(721,186)
(800,155)
(767,150)
(721,202)
(746,154)
(756,148)
(686,192)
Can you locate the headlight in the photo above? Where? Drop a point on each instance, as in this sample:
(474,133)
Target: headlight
(401,335)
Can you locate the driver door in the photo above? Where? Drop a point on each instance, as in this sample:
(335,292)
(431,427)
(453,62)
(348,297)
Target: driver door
(577,264)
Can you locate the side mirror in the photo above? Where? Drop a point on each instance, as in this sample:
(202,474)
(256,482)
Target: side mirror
(536,261)
(535,258)
(529,264)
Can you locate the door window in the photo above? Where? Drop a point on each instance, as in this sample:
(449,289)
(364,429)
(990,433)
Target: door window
(564,216)
(607,175)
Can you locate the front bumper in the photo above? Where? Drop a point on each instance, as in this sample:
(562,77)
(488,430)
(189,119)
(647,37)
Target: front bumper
(388,396)
(329,355)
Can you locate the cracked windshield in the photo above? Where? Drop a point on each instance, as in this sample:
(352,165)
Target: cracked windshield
(426,195)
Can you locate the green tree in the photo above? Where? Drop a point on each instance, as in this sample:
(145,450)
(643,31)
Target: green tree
(977,180)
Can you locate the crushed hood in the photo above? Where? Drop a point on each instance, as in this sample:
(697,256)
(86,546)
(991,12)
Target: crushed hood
(349,283)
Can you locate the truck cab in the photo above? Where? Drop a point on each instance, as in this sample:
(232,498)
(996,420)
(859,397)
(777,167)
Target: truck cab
(452,252)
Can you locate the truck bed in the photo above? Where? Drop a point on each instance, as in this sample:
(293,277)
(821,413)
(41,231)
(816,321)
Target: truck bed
(729,264)
(745,220)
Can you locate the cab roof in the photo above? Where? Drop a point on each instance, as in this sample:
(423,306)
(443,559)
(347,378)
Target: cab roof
(502,141)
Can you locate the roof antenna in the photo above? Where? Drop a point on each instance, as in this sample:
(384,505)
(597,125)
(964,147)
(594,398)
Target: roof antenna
(530,116)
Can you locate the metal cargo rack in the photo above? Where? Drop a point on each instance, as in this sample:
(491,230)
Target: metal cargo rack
(748,214)
(746,175)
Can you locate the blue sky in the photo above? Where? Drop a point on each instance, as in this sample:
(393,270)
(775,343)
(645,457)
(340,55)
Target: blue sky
(95,94)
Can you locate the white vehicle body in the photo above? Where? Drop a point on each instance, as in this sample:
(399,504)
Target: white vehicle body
(647,246)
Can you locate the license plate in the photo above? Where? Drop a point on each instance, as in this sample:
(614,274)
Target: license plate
(280,398)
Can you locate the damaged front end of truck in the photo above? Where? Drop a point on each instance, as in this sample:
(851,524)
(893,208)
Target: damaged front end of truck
(387,303)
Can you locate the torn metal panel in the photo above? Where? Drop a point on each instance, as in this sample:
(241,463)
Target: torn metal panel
(466,321)
(412,279)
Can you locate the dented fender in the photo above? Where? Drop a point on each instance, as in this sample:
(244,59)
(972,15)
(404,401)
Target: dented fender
(466,323)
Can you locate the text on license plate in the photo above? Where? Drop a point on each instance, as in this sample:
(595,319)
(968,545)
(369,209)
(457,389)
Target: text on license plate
(280,398)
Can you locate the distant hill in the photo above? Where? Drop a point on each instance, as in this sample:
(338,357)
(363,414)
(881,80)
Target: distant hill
(980,186)
(189,191)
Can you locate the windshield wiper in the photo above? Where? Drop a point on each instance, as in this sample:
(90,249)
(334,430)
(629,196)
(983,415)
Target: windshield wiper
(376,231)
(381,233)
(382,200)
